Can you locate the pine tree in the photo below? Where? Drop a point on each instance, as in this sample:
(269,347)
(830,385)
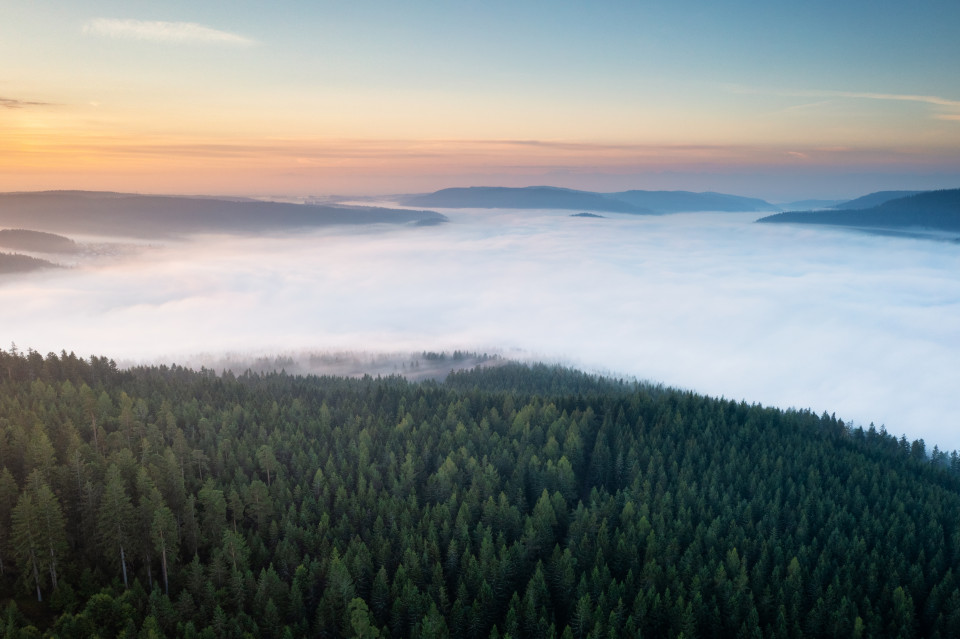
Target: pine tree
(39,536)
(27,544)
(9,492)
(115,520)
(163,534)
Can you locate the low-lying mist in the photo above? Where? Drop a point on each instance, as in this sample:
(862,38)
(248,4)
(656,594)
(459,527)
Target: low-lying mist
(861,325)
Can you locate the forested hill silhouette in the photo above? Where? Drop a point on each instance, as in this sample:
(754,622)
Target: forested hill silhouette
(936,210)
(873,199)
(548,197)
(531,197)
(686,201)
(38,241)
(156,216)
(17,263)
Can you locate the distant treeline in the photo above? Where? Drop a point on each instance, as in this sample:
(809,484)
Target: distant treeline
(938,210)
(17,263)
(549,197)
(456,356)
(508,501)
(26,240)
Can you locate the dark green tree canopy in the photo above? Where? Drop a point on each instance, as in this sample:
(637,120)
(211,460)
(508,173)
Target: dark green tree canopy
(513,500)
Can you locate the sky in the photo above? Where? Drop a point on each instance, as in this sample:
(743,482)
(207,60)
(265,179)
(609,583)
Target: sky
(768,99)
(860,325)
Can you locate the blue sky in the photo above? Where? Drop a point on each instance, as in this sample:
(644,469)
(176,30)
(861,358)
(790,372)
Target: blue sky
(379,97)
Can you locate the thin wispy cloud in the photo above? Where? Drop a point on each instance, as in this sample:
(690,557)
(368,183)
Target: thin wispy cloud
(897,97)
(467,155)
(807,106)
(164,32)
(12,103)
(933,100)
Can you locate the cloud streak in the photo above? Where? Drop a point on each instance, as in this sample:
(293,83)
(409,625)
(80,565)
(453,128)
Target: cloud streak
(454,154)
(162,32)
(896,97)
(12,103)
(932,100)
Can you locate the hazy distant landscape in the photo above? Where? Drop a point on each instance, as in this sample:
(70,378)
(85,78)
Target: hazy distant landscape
(931,211)
(38,241)
(156,217)
(788,315)
(543,197)
(282,395)
(18,263)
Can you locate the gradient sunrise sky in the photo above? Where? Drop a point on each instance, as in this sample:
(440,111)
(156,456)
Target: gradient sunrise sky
(781,100)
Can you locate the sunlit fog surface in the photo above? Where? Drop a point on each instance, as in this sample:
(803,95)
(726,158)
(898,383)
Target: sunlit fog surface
(861,325)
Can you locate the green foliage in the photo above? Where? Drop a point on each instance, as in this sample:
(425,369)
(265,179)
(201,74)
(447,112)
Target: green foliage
(508,501)
(38,534)
(115,521)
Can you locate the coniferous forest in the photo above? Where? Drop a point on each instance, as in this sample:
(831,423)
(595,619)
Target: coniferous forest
(506,501)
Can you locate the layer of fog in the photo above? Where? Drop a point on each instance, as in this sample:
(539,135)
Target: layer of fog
(861,325)
(425,365)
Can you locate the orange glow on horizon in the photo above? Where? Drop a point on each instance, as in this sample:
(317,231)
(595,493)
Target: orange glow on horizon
(48,160)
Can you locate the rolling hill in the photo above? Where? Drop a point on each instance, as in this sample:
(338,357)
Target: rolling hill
(37,241)
(17,263)
(687,201)
(934,210)
(531,197)
(548,197)
(873,199)
(505,501)
(157,216)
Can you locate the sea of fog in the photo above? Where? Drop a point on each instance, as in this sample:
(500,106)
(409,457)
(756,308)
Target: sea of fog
(864,326)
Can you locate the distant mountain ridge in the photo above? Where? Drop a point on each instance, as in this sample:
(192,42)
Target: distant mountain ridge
(810,205)
(937,210)
(873,199)
(549,197)
(688,201)
(157,216)
(531,197)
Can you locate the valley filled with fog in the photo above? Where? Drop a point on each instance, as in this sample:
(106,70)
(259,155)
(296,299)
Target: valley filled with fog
(862,325)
